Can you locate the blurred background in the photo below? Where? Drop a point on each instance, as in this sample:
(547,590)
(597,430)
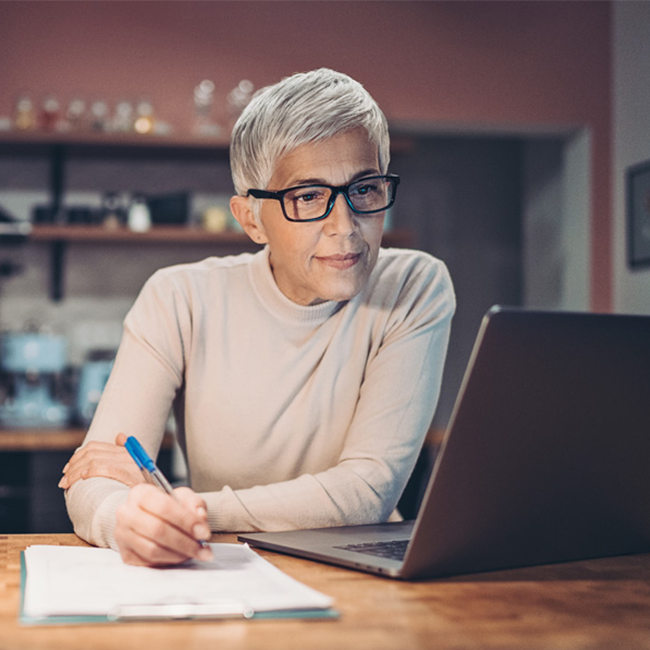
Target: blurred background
(517,128)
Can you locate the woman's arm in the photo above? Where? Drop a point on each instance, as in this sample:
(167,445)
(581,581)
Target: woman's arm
(136,401)
(147,526)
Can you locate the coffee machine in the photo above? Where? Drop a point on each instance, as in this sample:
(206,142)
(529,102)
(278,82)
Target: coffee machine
(92,380)
(32,364)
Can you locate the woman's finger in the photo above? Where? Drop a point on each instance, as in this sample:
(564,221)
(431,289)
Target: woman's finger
(101,459)
(154,541)
(191,500)
(156,529)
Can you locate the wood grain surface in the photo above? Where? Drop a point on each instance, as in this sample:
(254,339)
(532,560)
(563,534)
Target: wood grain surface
(599,604)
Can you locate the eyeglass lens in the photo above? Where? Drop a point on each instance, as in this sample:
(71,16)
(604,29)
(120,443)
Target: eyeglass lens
(313,201)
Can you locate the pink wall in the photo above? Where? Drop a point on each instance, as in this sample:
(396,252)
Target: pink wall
(493,62)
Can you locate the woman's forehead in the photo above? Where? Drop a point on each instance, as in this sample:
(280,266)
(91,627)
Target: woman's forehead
(334,160)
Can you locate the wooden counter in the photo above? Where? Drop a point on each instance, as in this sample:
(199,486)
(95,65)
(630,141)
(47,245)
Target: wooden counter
(594,605)
(41,439)
(50,439)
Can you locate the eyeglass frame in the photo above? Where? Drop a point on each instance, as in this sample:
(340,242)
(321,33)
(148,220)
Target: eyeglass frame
(335,189)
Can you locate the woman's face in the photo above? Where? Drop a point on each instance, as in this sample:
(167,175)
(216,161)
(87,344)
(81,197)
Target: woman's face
(329,259)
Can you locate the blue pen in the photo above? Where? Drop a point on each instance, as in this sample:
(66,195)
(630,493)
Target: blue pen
(149,469)
(130,447)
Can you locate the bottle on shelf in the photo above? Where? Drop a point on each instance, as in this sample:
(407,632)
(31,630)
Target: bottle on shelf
(203,105)
(99,115)
(112,214)
(238,98)
(76,114)
(139,217)
(123,121)
(50,114)
(24,114)
(144,121)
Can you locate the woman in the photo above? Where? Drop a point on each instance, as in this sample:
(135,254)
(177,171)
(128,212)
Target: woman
(303,378)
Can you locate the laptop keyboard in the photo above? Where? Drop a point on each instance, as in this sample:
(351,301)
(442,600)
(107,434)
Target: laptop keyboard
(394,549)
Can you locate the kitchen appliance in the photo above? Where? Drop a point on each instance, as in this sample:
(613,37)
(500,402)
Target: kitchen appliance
(92,380)
(33,364)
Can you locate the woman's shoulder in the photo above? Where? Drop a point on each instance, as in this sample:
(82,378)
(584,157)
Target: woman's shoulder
(206,267)
(404,278)
(187,286)
(204,275)
(409,263)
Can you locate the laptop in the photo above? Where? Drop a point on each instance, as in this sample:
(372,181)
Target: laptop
(546,457)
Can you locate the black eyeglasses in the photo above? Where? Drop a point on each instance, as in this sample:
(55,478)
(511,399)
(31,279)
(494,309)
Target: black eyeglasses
(314,202)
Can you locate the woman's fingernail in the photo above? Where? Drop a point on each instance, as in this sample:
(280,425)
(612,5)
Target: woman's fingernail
(65,469)
(201,531)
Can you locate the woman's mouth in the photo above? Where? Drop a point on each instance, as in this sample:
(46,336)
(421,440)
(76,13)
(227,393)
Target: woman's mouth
(340,262)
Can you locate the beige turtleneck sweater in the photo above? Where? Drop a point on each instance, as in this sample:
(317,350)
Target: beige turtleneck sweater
(289,416)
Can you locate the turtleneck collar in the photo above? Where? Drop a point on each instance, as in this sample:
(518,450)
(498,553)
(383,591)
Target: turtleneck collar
(277,303)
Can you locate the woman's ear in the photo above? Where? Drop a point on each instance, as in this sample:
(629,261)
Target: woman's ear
(241,210)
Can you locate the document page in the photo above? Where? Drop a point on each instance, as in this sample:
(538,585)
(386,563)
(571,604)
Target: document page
(82,581)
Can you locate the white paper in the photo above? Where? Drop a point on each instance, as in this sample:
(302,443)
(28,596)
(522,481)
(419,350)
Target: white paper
(82,581)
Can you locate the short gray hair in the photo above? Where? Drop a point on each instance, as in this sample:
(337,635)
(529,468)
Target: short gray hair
(300,109)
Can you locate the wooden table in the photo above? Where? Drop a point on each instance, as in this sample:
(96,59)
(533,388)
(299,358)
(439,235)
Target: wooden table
(598,604)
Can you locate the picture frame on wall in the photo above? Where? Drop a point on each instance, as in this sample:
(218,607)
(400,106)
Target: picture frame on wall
(637,180)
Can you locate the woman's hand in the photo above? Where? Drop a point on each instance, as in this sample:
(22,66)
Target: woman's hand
(102,459)
(155,529)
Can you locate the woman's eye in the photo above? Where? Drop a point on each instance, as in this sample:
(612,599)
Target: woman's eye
(366,188)
(307,196)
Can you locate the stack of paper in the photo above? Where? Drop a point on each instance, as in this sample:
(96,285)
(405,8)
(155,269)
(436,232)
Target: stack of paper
(73,584)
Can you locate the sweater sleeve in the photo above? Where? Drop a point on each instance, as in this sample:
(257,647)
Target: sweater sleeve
(396,404)
(136,401)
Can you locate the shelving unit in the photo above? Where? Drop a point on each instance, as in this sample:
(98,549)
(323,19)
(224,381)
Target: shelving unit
(60,236)
(59,148)
(234,242)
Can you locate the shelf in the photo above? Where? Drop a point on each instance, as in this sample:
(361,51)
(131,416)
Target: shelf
(50,439)
(168,235)
(98,139)
(181,140)
(157,234)
(59,237)
(236,242)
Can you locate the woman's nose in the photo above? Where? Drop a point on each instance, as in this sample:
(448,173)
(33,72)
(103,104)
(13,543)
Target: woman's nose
(341,220)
